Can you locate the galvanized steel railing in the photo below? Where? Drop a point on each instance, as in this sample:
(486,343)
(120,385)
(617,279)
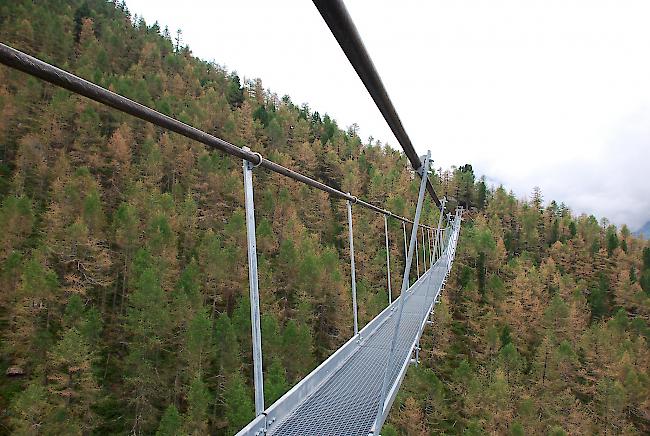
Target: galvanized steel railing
(338,20)
(346,395)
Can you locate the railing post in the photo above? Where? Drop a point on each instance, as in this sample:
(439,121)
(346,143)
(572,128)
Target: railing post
(438,230)
(390,292)
(426,298)
(353,273)
(428,237)
(417,253)
(254,287)
(405,286)
(451,229)
(405,242)
(424,252)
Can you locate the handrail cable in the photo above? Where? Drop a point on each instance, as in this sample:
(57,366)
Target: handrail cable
(18,60)
(342,27)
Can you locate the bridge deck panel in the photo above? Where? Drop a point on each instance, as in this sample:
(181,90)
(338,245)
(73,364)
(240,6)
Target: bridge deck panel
(347,402)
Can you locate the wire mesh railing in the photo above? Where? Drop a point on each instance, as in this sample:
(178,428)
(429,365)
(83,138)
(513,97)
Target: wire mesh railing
(251,160)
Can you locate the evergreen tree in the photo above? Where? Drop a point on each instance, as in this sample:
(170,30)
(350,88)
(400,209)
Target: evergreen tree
(198,399)
(198,343)
(148,324)
(31,411)
(275,382)
(296,337)
(481,196)
(239,407)
(72,384)
(612,240)
(235,93)
(17,220)
(170,423)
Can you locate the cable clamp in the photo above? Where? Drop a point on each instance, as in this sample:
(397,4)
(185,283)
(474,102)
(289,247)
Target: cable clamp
(260,161)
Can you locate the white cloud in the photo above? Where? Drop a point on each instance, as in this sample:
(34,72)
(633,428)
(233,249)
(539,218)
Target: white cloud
(550,93)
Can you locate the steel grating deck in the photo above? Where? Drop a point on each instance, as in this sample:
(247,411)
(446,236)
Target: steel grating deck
(347,402)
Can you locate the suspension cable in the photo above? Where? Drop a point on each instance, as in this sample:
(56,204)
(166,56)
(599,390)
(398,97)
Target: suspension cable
(342,27)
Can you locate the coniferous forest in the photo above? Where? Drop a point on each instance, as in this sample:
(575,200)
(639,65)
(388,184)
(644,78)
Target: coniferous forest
(124,302)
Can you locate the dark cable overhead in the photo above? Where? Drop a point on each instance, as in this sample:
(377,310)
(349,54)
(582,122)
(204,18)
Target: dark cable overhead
(340,23)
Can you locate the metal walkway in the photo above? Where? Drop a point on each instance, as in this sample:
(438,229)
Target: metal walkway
(342,396)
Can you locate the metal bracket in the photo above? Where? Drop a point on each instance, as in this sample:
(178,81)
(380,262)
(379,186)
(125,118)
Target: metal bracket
(250,165)
(423,160)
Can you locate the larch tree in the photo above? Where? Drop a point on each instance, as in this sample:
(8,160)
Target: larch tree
(130,242)
(148,326)
(71,383)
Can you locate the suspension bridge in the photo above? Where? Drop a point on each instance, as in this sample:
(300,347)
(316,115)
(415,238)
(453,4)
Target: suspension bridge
(352,391)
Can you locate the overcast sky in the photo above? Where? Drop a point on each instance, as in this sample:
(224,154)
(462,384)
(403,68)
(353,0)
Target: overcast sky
(549,93)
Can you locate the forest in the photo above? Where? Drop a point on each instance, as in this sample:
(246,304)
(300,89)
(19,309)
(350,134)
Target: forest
(124,302)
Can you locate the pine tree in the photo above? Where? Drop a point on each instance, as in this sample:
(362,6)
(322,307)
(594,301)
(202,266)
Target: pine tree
(17,220)
(170,423)
(481,198)
(235,93)
(275,382)
(294,338)
(30,411)
(198,344)
(645,272)
(198,400)
(612,240)
(148,324)
(226,346)
(127,233)
(29,335)
(239,407)
(511,361)
(412,420)
(610,397)
(72,384)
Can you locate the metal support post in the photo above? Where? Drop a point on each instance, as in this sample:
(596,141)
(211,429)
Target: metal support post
(417,252)
(426,299)
(405,242)
(390,292)
(405,285)
(353,273)
(415,360)
(428,238)
(438,230)
(443,240)
(254,288)
(434,250)
(451,230)
(424,253)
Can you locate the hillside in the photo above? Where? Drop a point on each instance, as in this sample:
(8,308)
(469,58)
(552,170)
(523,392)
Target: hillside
(124,274)
(644,231)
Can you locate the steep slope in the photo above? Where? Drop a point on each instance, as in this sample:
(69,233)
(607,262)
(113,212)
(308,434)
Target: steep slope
(644,231)
(123,263)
